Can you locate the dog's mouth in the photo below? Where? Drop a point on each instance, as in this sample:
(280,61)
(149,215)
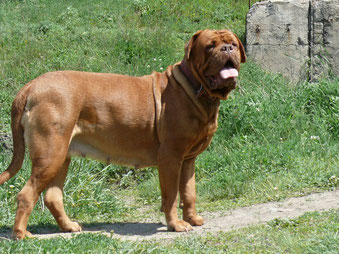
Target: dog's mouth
(229,71)
(224,76)
(224,80)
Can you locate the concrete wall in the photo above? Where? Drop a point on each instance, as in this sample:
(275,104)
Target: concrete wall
(298,38)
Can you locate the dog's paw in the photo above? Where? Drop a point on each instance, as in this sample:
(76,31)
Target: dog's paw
(75,227)
(195,220)
(19,235)
(72,227)
(180,226)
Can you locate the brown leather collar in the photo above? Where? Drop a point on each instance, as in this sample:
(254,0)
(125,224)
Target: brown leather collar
(199,90)
(183,81)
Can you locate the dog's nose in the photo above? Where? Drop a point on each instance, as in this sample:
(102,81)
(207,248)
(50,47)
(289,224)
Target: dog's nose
(227,48)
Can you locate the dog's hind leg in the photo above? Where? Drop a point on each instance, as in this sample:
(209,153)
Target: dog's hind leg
(54,201)
(48,154)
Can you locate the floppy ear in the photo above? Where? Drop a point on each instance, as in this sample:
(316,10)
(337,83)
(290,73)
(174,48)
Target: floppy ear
(242,49)
(190,44)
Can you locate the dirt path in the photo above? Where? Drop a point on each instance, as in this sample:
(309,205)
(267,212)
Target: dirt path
(214,222)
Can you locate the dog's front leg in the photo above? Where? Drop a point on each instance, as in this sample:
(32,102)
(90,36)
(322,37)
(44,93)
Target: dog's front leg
(169,167)
(188,193)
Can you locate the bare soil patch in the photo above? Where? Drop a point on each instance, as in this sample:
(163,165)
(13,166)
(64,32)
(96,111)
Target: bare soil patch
(214,222)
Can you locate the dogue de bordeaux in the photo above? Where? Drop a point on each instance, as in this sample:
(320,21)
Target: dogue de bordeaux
(163,119)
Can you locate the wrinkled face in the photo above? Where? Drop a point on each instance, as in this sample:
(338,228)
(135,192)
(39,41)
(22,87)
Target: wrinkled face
(214,58)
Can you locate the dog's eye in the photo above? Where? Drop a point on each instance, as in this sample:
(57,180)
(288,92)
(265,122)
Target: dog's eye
(210,46)
(234,44)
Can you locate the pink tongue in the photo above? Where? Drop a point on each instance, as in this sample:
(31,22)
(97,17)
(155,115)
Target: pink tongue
(226,73)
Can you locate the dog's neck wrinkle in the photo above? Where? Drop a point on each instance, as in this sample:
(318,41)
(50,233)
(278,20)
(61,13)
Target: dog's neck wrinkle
(208,108)
(197,87)
(190,77)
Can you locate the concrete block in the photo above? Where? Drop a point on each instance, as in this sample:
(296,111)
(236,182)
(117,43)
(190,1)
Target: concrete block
(294,37)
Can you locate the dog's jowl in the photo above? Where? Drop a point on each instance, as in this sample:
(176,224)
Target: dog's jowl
(163,119)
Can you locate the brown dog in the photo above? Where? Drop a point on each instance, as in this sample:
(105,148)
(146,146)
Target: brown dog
(164,120)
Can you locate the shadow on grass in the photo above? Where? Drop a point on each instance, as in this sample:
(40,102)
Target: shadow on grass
(5,233)
(42,228)
(47,230)
(126,228)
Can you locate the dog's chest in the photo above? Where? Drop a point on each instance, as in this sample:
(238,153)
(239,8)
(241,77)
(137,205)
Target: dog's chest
(204,139)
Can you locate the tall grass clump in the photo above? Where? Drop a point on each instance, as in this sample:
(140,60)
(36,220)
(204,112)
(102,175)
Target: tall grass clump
(274,137)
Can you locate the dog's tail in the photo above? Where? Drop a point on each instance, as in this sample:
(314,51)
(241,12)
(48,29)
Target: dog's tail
(18,135)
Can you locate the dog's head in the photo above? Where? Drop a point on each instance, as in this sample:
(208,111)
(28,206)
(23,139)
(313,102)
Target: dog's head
(214,58)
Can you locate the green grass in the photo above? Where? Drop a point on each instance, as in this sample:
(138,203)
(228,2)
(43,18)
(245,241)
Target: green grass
(275,139)
(310,233)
